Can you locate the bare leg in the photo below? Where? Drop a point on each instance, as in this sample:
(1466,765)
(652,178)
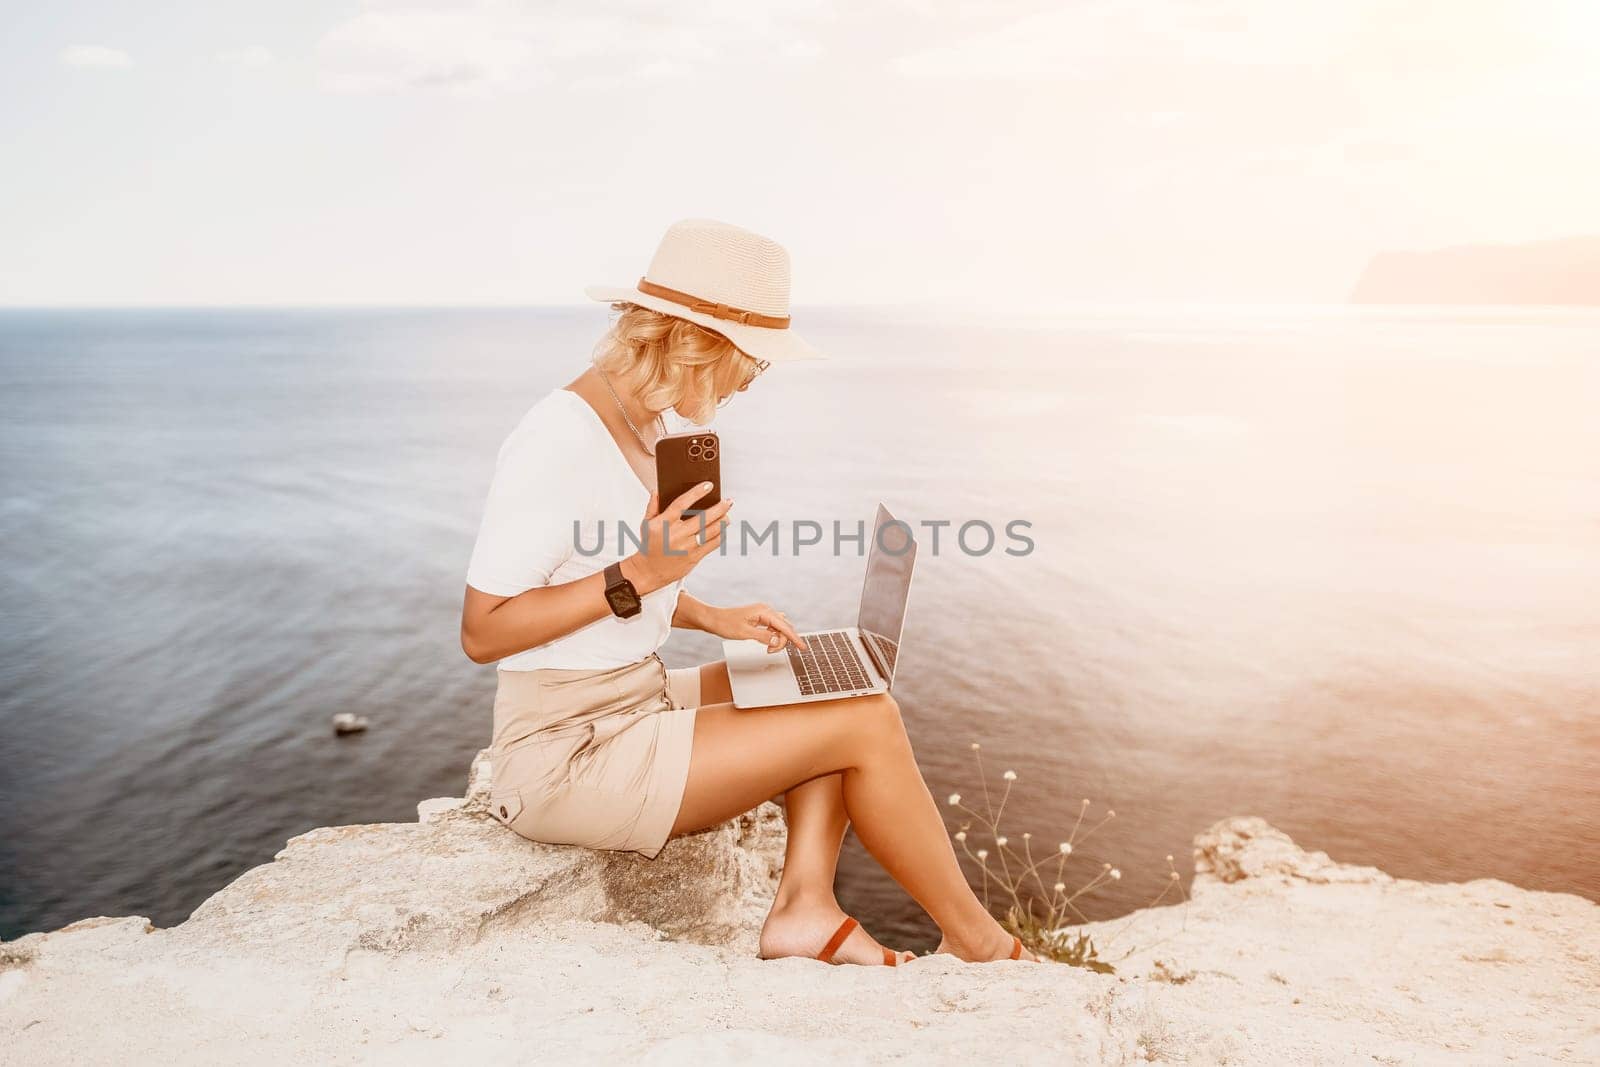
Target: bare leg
(741,758)
(805,912)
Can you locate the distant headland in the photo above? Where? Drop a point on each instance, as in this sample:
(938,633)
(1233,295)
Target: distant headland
(1565,271)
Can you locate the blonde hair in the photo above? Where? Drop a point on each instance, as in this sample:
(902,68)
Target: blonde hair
(671,362)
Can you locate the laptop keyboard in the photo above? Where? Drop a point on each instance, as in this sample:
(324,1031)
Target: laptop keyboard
(885,648)
(828,665)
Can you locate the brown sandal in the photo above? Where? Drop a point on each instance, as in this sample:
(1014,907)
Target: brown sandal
(1016,947)
(839,935)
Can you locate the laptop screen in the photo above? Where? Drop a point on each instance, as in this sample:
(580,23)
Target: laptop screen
(890,556)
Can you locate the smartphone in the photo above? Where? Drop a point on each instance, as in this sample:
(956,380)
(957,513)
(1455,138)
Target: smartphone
(683,461)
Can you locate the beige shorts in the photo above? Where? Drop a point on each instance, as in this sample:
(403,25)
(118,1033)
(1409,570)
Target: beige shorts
(593,758)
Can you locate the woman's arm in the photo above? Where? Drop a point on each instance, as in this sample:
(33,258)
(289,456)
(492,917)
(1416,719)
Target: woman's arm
(494,627)
(755,622)
(692,614)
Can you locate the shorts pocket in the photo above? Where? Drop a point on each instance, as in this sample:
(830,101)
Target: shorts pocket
(541,763)
(506,805)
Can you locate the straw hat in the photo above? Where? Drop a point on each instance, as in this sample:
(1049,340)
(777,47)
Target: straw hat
(724,278)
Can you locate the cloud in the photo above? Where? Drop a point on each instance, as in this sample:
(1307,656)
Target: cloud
(1100,38)
(251,57)
(461,50)
(1353,93)
(490,47)
(94,55)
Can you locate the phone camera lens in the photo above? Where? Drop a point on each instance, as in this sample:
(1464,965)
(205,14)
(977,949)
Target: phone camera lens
(711,453)
(694,451)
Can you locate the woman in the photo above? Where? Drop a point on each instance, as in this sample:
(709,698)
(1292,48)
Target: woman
(595,742)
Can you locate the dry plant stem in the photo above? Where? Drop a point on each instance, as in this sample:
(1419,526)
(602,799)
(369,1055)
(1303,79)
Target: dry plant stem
(1049,932)
(1033,868)
(1173,880)
(999,846)
(983,779)
(1096,880)
(1081,809)
(1090,832)
(1111,938)
(1068,905)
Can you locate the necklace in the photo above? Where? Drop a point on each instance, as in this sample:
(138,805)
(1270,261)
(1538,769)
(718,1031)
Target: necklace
(661,427)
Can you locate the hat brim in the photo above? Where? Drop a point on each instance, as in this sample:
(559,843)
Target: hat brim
(762,342)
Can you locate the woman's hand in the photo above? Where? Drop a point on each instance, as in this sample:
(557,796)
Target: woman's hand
(755,622)
(672,544)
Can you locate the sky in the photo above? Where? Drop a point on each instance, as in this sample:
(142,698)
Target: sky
(997,154)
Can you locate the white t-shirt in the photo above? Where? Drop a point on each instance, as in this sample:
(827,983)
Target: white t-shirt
(559,466)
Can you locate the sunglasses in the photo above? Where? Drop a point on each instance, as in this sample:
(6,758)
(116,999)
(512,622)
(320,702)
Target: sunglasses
(760,365)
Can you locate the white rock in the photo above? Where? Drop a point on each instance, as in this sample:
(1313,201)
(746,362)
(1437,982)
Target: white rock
(453,940)
(431,809)
(347,723)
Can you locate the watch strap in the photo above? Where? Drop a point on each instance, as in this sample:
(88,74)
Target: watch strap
(617,584)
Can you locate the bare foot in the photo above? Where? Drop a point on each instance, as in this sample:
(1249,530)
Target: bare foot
(997,947)
(803,929)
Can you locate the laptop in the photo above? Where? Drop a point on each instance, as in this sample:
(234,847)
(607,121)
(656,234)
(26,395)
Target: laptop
(848,662)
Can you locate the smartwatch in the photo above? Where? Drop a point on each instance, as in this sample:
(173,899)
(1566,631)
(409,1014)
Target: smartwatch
(620,593)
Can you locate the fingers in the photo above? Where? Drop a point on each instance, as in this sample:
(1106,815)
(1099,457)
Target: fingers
(709,545)
(708,524)
(779,623)
(675,510)
(709,517)
(687,539)
(652,509)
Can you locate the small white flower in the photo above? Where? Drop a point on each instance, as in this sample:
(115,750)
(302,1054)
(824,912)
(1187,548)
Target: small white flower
(974,746)
(1061,887)
(1001,841)
(1169,858)
(1010,776)
(983,853)
(1174,876)
(955,798)
(1115,874)
(1105,866)
(1111,814)
(1066,848)
(961,835)
(1086,802)
(1026,835)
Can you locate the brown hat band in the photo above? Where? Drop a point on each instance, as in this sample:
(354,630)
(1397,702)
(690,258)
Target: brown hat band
(716,311)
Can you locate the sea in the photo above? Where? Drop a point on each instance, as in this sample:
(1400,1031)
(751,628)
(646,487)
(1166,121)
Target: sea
(1332,567)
